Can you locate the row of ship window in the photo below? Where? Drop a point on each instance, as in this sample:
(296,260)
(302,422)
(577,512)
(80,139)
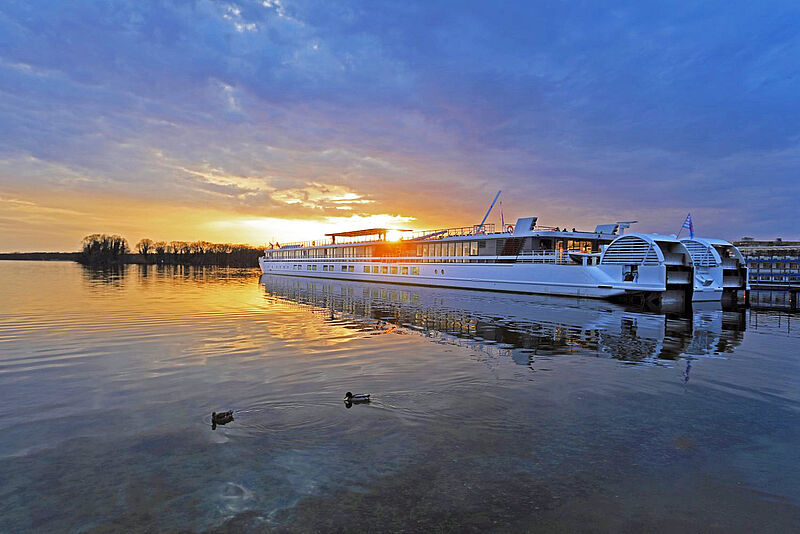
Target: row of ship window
(779,266)
(375,269)
(458,249)
(452,248)
(773,278)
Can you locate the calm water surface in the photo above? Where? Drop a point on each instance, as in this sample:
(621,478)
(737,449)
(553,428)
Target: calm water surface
(490,412)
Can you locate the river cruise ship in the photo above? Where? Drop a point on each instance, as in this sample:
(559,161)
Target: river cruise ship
(524,258)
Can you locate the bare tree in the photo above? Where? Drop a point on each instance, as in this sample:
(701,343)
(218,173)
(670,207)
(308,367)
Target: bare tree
(103,249)
(144,246)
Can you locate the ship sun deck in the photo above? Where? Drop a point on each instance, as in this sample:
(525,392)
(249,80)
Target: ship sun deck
(451,245)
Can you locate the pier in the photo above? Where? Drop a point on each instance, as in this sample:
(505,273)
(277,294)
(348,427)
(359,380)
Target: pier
(791,288)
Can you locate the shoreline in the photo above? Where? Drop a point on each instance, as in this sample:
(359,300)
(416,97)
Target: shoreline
(40,256)
(128,259)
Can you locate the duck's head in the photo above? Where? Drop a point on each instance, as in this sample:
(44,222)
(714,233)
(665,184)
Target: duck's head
(348,396)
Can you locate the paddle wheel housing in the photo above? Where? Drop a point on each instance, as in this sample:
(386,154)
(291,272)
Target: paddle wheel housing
(658,268)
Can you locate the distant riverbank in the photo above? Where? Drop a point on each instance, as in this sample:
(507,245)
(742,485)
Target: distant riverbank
(248,258)
(103,250)
(40,256)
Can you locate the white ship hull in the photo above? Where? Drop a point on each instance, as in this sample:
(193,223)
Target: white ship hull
(568,280)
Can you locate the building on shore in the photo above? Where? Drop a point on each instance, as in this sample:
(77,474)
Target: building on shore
(775,262)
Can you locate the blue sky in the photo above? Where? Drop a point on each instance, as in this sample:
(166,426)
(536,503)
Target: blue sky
(253,120)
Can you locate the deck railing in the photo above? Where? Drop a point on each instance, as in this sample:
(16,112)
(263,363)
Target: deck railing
(417,235)
(407,236)
(458,231)
(553,257)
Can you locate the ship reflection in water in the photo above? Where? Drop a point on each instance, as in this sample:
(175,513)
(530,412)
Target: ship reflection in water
(522,327)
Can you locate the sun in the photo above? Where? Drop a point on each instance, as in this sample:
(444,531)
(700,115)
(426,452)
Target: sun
(393,235)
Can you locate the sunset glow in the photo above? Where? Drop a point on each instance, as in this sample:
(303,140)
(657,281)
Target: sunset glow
(394,235)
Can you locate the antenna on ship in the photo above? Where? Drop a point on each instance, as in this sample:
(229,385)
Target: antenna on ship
(480,226)
(622,225)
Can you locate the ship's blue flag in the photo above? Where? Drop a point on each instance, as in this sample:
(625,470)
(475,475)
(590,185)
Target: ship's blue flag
(689,226)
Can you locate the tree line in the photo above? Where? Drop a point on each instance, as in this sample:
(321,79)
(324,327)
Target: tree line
(198,253)
(102,249)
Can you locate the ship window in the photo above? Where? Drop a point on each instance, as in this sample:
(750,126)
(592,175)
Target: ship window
(384,270)
(324,267)
(404,270)
(374,268)
(415,270)
(366,268)
(436,271)
(344,268)
(351,268)
(308,267)
(394,270)
(437,249)
(442,271)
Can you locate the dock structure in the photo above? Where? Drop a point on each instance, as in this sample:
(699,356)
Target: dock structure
(792,290)
(772,264)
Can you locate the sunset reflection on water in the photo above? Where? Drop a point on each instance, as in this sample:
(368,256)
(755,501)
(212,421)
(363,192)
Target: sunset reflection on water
(488,409)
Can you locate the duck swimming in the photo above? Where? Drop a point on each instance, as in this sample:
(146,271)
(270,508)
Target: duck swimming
(221,418)
(358,397)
